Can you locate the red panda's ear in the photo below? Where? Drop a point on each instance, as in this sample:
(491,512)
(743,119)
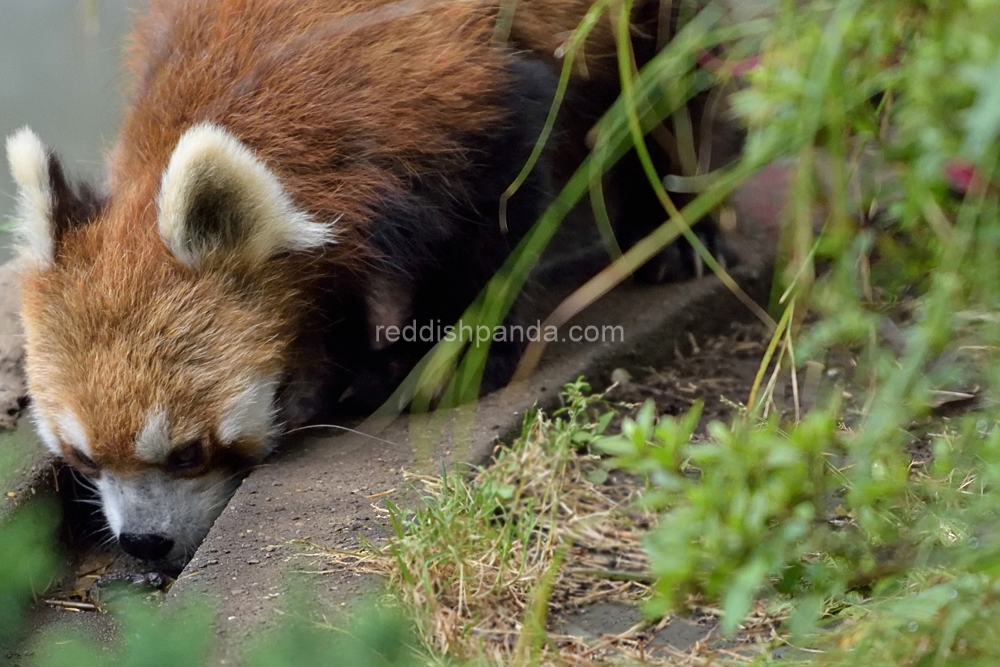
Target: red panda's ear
(219,202)
(47,204)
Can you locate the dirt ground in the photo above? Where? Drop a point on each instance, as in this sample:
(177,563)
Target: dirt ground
(718,371)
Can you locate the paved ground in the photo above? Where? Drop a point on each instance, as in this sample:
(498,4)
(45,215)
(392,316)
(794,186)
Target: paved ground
(11,352)
(19,449)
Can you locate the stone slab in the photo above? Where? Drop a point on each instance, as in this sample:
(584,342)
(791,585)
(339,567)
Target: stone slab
(326,489)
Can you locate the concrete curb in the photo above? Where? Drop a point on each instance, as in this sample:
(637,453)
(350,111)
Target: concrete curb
(319,489)
(28,467)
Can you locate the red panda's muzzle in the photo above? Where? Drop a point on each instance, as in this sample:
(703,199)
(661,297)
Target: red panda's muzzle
(157,517)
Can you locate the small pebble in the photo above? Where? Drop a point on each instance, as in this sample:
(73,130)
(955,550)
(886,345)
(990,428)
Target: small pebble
(621,377)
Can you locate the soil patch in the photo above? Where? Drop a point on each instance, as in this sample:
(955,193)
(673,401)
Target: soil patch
(719,371)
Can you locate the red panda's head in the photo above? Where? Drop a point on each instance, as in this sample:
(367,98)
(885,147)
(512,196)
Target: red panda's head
(159,323)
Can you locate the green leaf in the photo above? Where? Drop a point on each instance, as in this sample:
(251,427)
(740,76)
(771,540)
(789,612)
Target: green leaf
(597,476)
(982,121)
(615,445)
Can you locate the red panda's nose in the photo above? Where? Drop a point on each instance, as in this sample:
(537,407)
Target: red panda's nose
(145,546)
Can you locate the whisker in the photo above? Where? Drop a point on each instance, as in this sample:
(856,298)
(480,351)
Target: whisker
(225,481)
(219,503)
(84,481)
(342,428)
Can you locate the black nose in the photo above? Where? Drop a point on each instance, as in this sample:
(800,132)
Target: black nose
(145,546)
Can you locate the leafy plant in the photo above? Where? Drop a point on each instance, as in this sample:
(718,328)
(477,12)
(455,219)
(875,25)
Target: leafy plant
(880,105)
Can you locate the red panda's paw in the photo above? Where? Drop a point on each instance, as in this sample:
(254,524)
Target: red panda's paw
(304,398)
(680,260)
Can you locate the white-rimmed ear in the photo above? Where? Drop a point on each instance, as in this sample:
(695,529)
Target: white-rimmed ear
(217,199)
(48,204)
(34,221)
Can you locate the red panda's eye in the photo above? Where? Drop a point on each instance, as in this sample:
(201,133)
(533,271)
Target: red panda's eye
(187,457)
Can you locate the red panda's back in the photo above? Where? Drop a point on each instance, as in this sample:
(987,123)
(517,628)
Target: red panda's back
(342,99)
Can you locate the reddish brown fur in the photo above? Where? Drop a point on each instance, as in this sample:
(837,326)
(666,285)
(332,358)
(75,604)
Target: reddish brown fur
(338,108)
(229,324)
(544,27)
(403,91)
(171,335)
(250,66)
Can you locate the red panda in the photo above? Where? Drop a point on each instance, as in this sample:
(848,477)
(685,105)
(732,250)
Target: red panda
(289,176)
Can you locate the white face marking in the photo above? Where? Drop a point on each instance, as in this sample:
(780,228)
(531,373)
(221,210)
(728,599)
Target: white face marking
(45,433)
(153,442)
(70,427)
(208,159)
(252,415)
(152,502)
(28,160)
(111,503)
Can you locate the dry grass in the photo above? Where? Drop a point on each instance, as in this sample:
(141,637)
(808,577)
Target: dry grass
(491,566)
